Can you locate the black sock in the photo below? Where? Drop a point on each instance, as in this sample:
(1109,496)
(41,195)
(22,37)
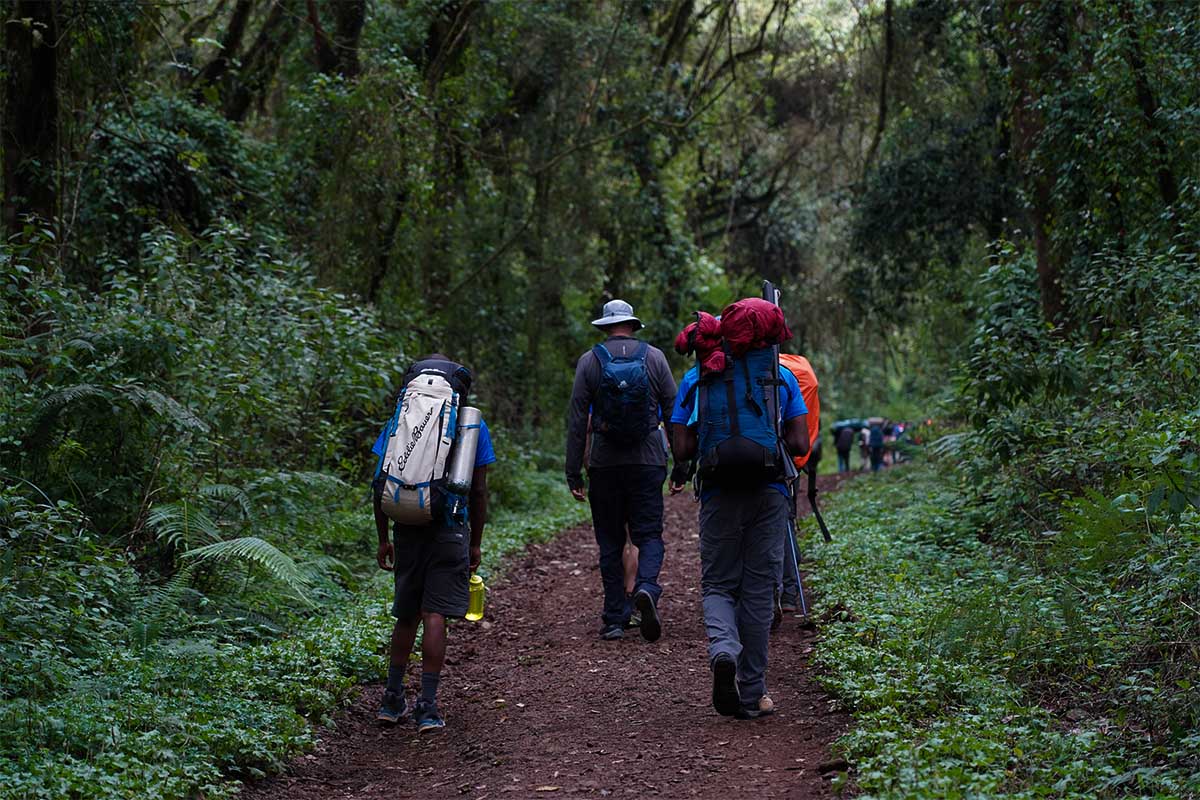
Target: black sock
(395,679)
(429,684)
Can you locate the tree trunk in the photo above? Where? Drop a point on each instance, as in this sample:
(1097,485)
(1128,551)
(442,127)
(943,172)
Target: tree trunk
(1032,57)
(327,60)
(261,61)
(338,55)
(544,308)
(348,17)
(889,48)
(1168,184)
(30,125)
(231,43)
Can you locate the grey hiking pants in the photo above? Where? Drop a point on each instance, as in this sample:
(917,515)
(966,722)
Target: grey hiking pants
(741,560)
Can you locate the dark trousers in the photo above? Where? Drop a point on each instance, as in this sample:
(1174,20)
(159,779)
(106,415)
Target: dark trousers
(876,458)
(843,460)
(627,497)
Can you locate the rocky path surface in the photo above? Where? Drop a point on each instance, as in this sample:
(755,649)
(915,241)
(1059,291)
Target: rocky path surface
(537,706)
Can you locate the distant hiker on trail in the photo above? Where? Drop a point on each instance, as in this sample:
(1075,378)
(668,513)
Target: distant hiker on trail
(844,443)
(875,442)
(628,387)
(728,415)
(431,482)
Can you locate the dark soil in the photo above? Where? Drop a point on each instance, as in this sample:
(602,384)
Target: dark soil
(536,705)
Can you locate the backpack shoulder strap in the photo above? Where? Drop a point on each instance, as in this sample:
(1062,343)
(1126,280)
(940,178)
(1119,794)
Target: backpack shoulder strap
(758,412)
(735,427)
(603,355)
(642,351)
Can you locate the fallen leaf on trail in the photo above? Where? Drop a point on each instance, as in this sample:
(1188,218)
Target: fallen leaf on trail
(547,789)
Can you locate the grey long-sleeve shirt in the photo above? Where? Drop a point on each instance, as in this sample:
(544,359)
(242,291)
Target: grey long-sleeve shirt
(650,452)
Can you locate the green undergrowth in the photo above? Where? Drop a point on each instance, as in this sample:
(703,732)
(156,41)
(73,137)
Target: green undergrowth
(978,671)
(93,705)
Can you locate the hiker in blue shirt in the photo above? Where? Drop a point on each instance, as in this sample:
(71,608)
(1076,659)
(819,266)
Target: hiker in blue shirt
(742,531)
(432,565)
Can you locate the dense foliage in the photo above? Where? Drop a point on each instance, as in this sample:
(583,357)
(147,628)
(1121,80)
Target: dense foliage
(228,225)
(973,670)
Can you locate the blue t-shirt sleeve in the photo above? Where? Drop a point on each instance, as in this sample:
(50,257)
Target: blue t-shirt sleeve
(685,399)
(484,452)
(793,401)
(380,443)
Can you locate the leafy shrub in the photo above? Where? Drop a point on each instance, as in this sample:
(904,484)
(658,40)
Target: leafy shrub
(215,355)
(972,671)
(167,160)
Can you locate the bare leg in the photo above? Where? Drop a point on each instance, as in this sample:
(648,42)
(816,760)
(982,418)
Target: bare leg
(629,560)
(404,633)
(433,642)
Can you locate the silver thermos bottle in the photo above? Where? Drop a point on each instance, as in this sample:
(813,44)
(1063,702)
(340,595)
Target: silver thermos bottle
(462,460)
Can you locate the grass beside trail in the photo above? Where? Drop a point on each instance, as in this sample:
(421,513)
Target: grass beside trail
(189,717)
(941,646)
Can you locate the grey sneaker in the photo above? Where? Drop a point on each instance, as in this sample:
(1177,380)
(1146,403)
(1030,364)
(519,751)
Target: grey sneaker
(427,717)
(392,709)
(612,632)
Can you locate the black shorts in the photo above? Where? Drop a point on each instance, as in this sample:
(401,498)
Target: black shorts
(432,571)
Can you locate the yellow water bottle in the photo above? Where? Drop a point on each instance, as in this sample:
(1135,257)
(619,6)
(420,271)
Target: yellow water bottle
(475,599)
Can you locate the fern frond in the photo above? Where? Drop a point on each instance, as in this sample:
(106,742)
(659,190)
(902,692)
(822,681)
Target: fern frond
(80,343)
(163,406)
(251,549)
(181,524)
(71,395)
(950,446)
(326,565)
(228,495)
(160,602)
(291,481)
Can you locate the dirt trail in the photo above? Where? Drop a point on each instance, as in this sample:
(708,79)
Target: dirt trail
(537,706)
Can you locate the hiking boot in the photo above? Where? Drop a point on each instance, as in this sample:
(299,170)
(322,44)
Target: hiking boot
(612,632)
(651,624)
(427,717)
(765,707)
(392,709)
(789,604)
(725,693)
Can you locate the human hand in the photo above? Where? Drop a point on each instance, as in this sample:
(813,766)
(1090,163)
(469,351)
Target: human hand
(676,488)
(476,557)
(385,557)
(579,494)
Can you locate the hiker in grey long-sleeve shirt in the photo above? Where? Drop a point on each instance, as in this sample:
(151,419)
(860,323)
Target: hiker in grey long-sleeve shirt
(626,387)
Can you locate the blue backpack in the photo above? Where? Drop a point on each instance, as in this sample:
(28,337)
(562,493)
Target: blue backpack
(623,409)
(738,431)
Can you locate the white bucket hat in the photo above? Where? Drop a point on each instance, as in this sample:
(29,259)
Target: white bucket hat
(616,312)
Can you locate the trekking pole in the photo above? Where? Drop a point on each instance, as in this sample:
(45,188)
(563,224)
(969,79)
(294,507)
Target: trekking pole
(812,502)
(796,562)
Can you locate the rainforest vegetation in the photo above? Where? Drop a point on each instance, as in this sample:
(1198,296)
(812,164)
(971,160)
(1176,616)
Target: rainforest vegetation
(229,225)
